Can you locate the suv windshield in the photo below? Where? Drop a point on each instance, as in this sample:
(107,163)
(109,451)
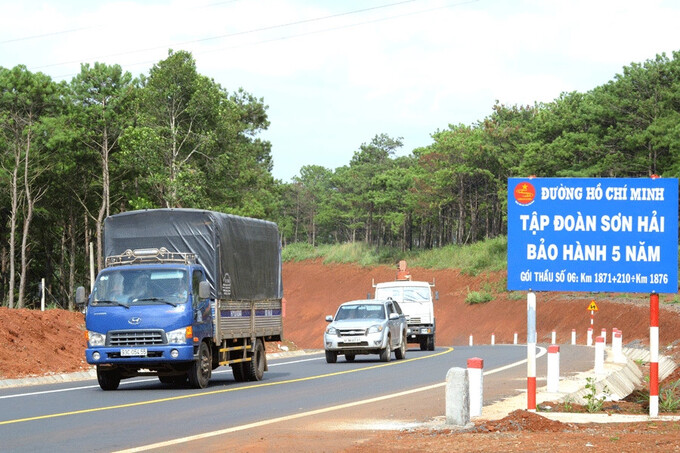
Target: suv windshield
(141,286)
(364,311)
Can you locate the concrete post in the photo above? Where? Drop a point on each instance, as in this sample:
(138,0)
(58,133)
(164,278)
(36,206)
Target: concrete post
(589,338)
(599,355)
(604,336)
(515,339)
(493,339)
(471,342)
(617,347)
(457,397)
(573,336)
(475,366)
(553,376)
(553,338)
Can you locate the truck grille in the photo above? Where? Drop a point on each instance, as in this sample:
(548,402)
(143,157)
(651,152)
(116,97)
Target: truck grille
(136,338)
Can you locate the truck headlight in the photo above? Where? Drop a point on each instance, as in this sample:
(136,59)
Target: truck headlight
(375,329)
(178,336)
(331,331)
(96,338)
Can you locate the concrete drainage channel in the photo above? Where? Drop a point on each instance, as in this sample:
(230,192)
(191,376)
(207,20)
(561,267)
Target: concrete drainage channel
(618,381)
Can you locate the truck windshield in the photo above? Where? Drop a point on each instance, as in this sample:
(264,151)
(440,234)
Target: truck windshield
(141,287)
(404,293)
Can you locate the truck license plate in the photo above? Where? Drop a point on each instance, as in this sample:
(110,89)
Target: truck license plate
(133,352)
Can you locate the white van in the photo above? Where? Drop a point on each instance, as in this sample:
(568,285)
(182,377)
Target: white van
(415,299)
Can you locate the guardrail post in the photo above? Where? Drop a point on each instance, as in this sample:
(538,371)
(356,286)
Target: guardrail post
(617,346)
(457,397)
(599,355)
(475,366)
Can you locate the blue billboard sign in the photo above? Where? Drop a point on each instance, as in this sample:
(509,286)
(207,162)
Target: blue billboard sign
(593,234)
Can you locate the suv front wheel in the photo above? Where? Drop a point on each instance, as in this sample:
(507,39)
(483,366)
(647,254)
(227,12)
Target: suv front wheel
(331,356)
(386,354)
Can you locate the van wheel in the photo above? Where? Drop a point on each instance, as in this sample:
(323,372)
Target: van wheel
(201,369)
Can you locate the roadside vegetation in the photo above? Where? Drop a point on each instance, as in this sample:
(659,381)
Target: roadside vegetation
(107,141)
(485,256)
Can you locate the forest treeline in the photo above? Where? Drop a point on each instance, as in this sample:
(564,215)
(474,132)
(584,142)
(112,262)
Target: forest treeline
(72,153)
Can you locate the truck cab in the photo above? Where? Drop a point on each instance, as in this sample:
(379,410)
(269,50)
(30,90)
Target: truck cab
(151,316)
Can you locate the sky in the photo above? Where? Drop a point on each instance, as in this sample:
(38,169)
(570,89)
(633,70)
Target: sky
(334,74)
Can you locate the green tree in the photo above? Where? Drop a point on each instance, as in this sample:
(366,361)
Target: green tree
(25,97)
(100,99)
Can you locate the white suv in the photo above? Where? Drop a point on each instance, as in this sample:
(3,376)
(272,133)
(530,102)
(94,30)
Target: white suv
(366,327)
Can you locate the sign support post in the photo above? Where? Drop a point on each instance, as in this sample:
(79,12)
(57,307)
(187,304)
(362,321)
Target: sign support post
(654,355)
(531,352)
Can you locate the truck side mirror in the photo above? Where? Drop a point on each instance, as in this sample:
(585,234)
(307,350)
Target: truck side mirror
(81,297)
(436,295)
(204,290)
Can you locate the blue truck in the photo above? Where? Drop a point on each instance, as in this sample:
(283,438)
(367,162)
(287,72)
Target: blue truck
(184,291)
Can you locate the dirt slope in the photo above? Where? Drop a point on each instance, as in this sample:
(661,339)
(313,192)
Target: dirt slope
(35,343)
(313,290)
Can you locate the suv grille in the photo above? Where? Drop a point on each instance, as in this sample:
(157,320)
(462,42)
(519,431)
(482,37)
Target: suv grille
(351,332)
(136,338)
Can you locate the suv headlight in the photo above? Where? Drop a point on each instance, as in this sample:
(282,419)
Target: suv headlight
(96,338)
(375,328)
(178,336)
(331,331)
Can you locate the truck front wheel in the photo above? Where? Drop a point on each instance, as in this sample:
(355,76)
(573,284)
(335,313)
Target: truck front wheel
(430,343)
(108,379)
(201,369)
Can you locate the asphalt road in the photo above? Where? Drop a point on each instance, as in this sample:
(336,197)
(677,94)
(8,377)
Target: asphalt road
(144,414)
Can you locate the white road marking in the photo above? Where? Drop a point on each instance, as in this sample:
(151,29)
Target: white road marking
(221,432)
